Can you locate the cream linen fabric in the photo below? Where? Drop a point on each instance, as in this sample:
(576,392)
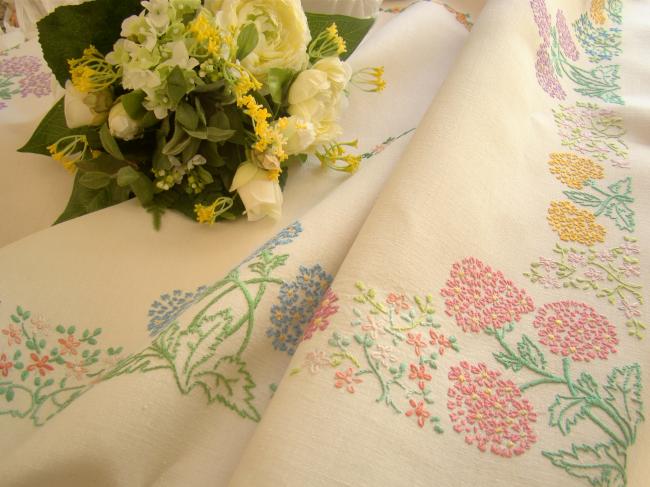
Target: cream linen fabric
(475,181)
(179,408)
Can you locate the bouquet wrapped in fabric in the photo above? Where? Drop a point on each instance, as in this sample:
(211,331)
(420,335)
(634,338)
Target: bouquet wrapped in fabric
(198,106)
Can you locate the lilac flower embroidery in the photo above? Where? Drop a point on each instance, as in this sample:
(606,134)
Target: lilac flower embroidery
(566,42)
(546,76)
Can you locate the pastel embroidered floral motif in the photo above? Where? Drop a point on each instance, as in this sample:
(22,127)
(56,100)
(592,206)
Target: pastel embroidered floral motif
(463,18)
(170,306)
(489,410)
(609,272)
(23,75)
(601,44)
(614,407)
(612,201)
(574,171)
(556,58)
(44,368)
(593,132)
(381,147)
(478,297)
(320,318)
(394,344)
(573,224)
(297,302)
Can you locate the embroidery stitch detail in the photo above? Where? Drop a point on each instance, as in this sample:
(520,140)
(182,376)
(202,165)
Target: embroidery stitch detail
(573,224)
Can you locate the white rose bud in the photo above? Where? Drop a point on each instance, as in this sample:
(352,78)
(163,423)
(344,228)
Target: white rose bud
(261,196)
(83,109)
(121,125)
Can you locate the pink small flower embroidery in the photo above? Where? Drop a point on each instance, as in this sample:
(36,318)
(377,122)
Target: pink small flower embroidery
(576,259)
(550,282)
(13,333)
(419,372)
(415,339)
(631,310)
(594,274)
(440,340)
(40,364)
(76,370)
(5,365)
(320,318)
(40,325)
(575,330)
(315,360)
(547,264)
(398,302)
(479,297)
(629,248)
(373,328)
(69,345)
(631,270)
(605,255)
(419,411)
(489,410)
(384,355)
(346,380)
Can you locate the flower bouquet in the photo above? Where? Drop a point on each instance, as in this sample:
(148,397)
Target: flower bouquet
(198,106)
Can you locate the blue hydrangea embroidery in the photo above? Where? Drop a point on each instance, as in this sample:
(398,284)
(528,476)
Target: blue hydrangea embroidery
(297,302)
(164,311)
(284,237)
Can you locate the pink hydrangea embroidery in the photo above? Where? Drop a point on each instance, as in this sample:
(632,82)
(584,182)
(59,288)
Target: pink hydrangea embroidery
(489,410)
(575,330)
(320,319)
(479,297)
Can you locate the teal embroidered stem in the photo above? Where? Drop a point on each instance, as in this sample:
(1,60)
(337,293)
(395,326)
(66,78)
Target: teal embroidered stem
(607,431)
(565,370)
(251,317)
(30,338)
(385,393)
(544,380)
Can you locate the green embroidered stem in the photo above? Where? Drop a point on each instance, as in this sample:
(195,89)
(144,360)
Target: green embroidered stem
(385,392)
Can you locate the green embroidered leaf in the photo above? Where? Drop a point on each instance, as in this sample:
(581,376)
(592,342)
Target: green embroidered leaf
(622,187)
(195,349)
(508,361)
(622,215)
(566,411)
(65,33)
(230,384)
(584,199)
(351,29)
(588,384)
(530,353)
(602,465)
(52,128)
(624,394)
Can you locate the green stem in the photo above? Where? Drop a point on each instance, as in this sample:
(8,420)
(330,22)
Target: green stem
(385,393)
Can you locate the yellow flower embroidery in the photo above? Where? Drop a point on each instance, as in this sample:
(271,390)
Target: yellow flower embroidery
(573,224)
(574,170)
(597,11)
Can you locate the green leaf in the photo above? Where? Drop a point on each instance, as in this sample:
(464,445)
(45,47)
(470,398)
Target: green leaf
(67,31)
(103,163)
(85,200)
(278,81)
(566,411)
(9,395)
(351,29)
(52,128)
(508,361)
(60,329)
(602,465)
(132,103)
(588,384)
(530,353)
(622,187)
(109,143)
(140,184)
(624,394)
(247,40)
(212,134)
(584,199)
(95,179)
(187,116)
(230,383)
(622,215)
(177,85)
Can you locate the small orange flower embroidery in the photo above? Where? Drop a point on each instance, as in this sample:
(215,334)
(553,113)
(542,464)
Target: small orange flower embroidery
(69,345)
(346,380)
(13,334)
(40,364)
(5,365)
(419,411)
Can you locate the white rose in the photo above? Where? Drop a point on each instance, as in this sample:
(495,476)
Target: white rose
(261,196)
(121,125)
(318,96)
(85,108)
(297,133)
(282,31)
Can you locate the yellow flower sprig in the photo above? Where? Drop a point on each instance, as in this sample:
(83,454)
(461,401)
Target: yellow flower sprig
(209,214)
(91,72)
(70,150)
(335,157)
(369,79)
(267,136)
(207,34)
(327,43)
